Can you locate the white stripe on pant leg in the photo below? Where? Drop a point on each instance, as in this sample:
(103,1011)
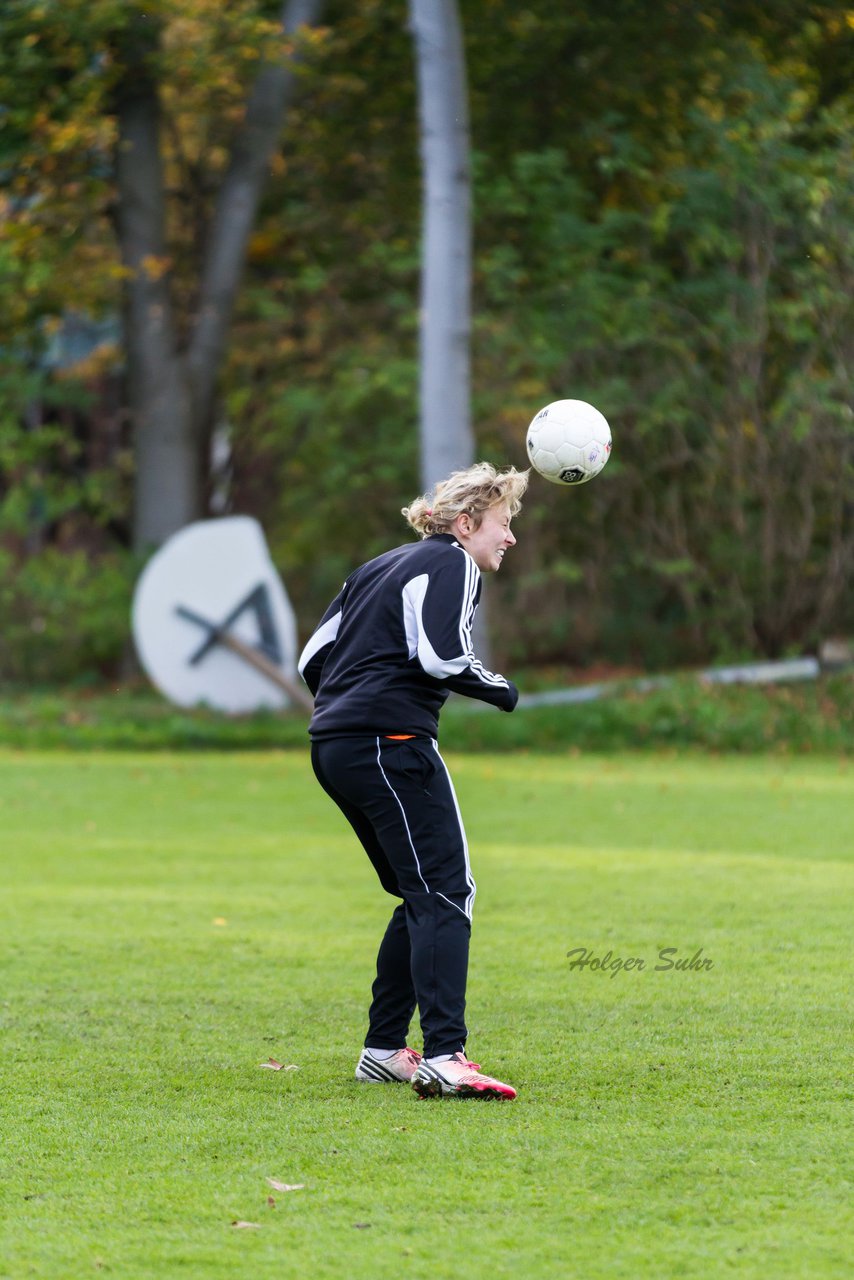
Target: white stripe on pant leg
(456,905)
(469,877)
(402,814)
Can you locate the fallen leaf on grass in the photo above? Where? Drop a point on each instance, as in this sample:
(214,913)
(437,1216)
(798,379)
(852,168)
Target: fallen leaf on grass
(285,1186)
(271,1204)
(272,1065)
(256,1226)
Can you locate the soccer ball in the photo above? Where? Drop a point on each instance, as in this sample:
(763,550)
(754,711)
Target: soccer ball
(569,442)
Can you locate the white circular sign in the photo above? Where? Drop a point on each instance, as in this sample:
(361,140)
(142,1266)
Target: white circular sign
(210,583)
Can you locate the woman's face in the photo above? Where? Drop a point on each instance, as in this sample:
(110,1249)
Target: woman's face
(487,543)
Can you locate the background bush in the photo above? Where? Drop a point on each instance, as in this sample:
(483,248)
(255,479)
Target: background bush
(814,716)
(65,618)
(663,222)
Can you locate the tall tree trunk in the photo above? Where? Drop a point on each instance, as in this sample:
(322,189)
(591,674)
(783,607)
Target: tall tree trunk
(172,393)
(168,492)
(447,440)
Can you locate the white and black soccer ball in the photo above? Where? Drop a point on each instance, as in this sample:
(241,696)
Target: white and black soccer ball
(569,442)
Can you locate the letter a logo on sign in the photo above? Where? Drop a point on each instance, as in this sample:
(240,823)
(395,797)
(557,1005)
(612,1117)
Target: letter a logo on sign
(258,601)
(212,621)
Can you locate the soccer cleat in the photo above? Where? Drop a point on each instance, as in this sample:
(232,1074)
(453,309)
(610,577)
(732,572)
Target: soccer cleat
(457,1078)
(395,1070)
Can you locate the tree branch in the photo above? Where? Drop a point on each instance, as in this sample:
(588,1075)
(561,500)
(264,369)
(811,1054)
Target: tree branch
(235,212)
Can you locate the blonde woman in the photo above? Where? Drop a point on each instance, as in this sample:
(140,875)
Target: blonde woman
(391,647)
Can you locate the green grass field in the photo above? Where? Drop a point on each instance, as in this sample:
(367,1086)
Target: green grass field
(171,921)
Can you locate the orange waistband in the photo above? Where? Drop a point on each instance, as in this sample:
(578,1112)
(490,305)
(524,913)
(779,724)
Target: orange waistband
(399,737)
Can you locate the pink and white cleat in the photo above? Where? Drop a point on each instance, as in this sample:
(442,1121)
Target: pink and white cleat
(457,1078)
(399,1068)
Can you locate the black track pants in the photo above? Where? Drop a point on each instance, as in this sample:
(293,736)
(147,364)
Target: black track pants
(399,799)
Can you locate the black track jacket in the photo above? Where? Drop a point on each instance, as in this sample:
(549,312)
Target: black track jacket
(396,641)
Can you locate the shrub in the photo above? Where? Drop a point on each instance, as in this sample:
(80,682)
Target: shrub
(65,618)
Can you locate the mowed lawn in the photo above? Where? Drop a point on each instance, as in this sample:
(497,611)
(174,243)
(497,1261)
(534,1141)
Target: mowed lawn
(169,923)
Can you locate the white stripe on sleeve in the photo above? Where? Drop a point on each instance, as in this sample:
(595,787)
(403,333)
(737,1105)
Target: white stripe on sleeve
(416,636)
(323,636)
(418,642)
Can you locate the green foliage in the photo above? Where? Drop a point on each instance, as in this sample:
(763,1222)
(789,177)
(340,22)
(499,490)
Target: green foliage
(810,718)
(684,268)
(801,719)
(65,580)
(663,214)
(47,483)
(63,616)
(703,303)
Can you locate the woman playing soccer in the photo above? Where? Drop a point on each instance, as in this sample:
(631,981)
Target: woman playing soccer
(391,647)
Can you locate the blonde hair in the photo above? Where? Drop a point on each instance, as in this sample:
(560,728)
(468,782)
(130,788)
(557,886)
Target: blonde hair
(473,491)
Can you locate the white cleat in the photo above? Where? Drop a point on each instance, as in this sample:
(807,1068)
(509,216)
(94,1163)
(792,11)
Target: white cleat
(457,1078)
(398,1069)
